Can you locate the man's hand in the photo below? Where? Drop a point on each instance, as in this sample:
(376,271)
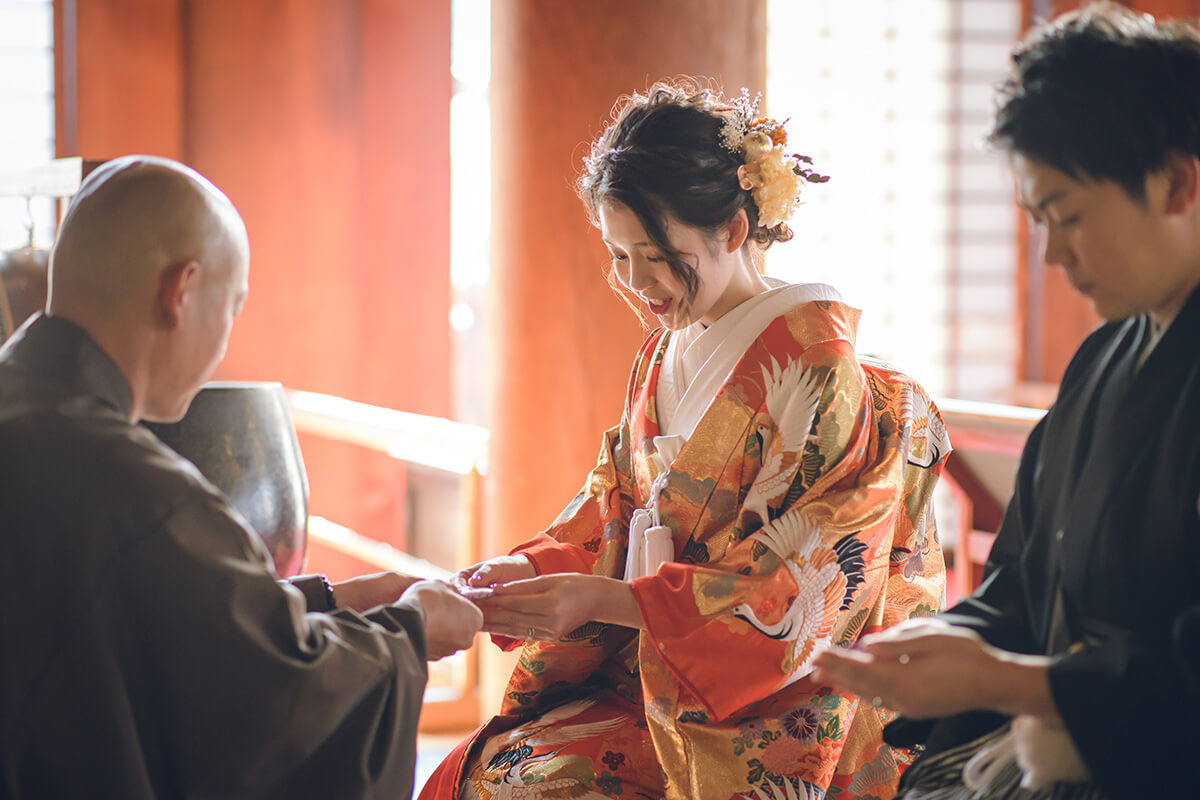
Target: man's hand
(493,572)
(929,668)
(551,606)
(451,621)
(367,591)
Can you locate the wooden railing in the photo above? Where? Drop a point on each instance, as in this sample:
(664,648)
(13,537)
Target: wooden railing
(433,442)
(980,473)
(451,698)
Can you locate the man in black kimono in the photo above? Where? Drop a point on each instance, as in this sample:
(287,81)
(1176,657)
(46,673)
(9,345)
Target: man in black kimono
(1085,632)
(146,648)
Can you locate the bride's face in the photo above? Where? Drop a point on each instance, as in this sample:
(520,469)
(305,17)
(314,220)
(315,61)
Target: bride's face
(725,275)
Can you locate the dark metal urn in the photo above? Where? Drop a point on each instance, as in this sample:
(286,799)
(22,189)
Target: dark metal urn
(241,437)
(22,287)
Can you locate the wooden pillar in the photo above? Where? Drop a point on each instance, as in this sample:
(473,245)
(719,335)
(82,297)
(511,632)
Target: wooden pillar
(118,78)
(562,343)
(327,122)
(311,114)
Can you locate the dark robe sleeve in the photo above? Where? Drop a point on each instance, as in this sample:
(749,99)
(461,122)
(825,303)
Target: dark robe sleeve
(252,695)
(313,589)
(1131,704)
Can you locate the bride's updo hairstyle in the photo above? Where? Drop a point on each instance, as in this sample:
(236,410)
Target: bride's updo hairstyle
(682,151)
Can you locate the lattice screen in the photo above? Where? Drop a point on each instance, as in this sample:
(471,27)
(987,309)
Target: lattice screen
(916,227)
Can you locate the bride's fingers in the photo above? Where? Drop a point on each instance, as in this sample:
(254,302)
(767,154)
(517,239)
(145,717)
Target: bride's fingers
(524,606)
(480,577)
(464,576)
(532,589)
(528,630)
(520,633)
(514,619)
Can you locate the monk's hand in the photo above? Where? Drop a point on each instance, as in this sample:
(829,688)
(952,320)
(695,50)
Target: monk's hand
(471,581)
(367,591)
(929,668)
(548,607)
(451,621)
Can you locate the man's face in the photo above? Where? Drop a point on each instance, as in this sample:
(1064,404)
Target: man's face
(1113,249)
(202,336)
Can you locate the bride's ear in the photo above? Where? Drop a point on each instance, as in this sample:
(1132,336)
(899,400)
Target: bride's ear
(736,231)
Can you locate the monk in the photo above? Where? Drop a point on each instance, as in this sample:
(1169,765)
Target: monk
(148,650)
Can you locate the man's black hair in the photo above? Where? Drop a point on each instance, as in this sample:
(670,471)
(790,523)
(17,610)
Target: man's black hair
(1103,94)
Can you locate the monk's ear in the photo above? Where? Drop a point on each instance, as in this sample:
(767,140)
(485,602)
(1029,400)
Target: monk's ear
(1183,182)
(176,285)
(736,231)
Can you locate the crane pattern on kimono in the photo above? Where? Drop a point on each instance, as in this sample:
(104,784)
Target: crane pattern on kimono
(793,394)
(512,785)
(793,789)
(826,579)
(513,752)
(931,439)
(594,632)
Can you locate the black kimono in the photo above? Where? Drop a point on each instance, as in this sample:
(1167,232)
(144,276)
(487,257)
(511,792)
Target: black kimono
(146,648)
(1098,562)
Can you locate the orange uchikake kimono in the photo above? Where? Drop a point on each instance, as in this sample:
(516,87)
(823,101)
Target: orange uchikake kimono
(801,510)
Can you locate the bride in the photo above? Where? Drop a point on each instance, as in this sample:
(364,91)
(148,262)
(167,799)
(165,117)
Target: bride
(766,494)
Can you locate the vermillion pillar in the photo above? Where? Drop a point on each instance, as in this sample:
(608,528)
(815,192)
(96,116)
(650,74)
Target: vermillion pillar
(327,123)
(312,117)
(562,342)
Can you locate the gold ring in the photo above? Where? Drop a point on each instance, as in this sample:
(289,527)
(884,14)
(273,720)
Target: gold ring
(904,659)
(877,701)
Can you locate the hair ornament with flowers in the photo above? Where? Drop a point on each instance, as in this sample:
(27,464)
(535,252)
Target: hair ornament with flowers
(774,178)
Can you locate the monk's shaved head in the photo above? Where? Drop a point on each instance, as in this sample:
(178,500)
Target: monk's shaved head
(131,218)
(152,261)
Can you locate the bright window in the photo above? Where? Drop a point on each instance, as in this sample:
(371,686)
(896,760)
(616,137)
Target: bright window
(27,108)
(892,99)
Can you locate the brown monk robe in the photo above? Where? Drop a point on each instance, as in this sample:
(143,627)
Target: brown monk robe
(146,648)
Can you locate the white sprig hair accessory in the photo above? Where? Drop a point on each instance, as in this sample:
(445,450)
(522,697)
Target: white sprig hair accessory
(774,178)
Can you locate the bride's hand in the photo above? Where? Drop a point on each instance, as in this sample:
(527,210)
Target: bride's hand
(549,607)
(493,572)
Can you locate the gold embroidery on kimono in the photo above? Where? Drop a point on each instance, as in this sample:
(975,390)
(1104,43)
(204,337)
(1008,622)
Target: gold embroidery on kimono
(801,515)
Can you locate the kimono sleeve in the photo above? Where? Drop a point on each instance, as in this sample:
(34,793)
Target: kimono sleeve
(598,515)
(254,695)
(804,576)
